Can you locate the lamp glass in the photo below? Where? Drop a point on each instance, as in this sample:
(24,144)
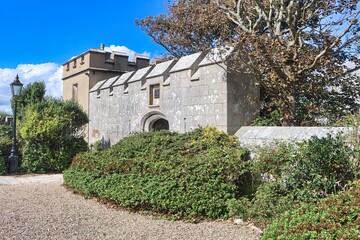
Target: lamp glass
(16,89)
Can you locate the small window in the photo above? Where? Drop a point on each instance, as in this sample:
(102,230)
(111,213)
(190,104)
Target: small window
(82,59)
(74,66)
(111,91)
(98,92)
(156,92)
(154,95)
(74,96)
(67,66)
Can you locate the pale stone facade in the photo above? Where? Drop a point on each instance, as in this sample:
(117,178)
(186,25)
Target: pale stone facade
(196,90)
(81,73)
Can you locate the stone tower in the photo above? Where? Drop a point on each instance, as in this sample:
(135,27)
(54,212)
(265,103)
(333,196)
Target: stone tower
(82,72)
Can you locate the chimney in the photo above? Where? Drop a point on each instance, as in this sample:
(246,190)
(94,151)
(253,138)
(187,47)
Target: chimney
(102,46)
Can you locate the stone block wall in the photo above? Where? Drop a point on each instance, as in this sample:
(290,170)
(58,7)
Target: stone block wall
(253,137)
(181,95)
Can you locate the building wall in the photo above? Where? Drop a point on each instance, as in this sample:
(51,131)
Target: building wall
(92,66)
(193,92)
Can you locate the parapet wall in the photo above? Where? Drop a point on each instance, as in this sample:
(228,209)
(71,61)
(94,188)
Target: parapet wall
(253,137)
(100,60)
(196,90)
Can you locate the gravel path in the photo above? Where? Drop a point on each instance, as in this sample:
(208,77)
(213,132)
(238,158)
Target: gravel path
(49,211)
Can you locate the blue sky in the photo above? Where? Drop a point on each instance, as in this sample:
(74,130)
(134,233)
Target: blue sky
(38,36)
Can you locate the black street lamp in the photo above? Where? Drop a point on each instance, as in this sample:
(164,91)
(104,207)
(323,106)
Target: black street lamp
(16,87)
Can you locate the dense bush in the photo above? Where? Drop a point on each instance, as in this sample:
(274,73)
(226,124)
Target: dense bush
(51,134)
(5,147)
(337,217)
(322,166)
(3,167)
(190,175)
(290,174)
(31,94)
(204,174)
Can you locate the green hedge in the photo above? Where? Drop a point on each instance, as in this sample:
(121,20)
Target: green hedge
(5,147)
(287,175)
(337,217)
(3,167)
(191,175)
(51,132)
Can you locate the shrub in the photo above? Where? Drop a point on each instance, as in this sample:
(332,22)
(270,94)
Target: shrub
(323,166)
(5,147)
(289,174)
(337,217)
(270,119)
(190,175)
(50,131)
(3,167)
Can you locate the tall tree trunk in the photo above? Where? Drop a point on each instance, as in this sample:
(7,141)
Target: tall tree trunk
(289,117)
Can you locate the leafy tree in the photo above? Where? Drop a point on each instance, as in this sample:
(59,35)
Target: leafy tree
(189,27)
(32,93)
(297,50)
(52,135)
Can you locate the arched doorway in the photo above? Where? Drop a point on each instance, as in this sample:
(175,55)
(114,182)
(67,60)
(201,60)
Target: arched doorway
(154,120)
(160,124)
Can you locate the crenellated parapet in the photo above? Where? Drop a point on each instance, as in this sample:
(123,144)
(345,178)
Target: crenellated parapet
(180,95)
(103,61)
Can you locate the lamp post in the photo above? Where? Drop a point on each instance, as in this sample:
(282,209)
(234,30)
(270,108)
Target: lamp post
(16,87)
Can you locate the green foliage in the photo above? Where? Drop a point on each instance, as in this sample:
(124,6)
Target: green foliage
(290,174)
(51,134)
(97,146)
(3,167)
(323,166)
(270,200)
(204,174)
(337,217)
(352,138)
(274,160)
(190,175)
(5,146)
(270,118)
(31,93)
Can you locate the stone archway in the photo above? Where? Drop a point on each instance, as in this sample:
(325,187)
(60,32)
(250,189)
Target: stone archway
(160,124)
(154,120)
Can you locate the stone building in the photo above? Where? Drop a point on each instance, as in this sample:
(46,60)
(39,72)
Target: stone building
(196,90)
(81,73)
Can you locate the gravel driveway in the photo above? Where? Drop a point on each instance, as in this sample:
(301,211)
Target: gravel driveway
(49,211)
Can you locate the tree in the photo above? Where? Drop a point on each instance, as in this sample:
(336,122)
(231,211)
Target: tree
(52,134)
(32,93)
(297,50)
(189,27)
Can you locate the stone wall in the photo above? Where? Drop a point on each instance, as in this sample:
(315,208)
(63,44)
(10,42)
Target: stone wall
(196,90)
(252,137)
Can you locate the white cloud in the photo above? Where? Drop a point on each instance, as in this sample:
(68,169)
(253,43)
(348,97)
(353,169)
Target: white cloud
(50,73)
(127,51)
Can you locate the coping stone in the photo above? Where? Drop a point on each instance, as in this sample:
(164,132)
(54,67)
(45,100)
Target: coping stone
(161,68)
(187,62)
(97,86)
(140,74)
(216,55)
(109,82)
(262,136)
(123,78)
